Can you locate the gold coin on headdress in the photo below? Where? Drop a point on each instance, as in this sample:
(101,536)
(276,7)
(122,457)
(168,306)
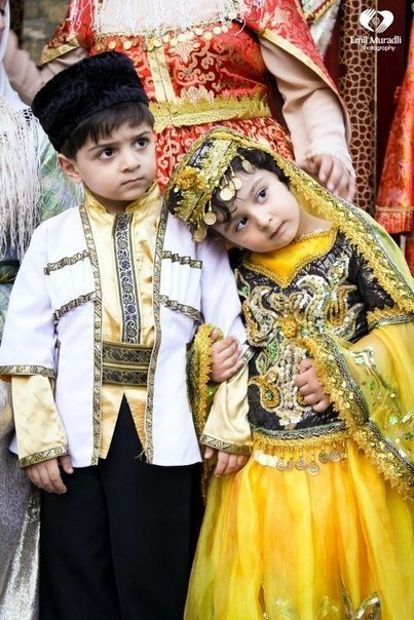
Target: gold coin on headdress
(227,193)
(237,183)
(246,165)
(210,218)
(127,45)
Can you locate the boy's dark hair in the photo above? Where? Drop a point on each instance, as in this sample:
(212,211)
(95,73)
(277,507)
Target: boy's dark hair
(102,124)
(257,158)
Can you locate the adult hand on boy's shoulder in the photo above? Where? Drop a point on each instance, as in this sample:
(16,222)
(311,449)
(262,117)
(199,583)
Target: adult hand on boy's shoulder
(226,463)
(46,475)
(310,388)
(225,359)
(333,174)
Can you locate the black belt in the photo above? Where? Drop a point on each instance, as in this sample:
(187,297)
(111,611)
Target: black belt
(125,364)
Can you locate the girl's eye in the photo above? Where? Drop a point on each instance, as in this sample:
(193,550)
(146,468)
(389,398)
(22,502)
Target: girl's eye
(106,153)
(262,194)
(242,223)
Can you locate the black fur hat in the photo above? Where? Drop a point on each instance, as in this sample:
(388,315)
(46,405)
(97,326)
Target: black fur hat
(87,87)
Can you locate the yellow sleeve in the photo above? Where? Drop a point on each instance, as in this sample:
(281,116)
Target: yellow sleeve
(227,427)
(39,429)
(371,386)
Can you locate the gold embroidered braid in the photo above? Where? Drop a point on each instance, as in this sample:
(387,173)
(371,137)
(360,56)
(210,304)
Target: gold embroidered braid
(176,305)
(387,316)
(45,455)
(183,260)
(199,368)
(67,260)
(74,303)
(349,402)
(27,370)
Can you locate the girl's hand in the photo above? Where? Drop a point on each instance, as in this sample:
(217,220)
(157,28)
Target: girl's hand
(310,387)
(226,463)
(225,358)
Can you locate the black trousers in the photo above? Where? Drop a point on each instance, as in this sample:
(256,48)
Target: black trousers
(119,544)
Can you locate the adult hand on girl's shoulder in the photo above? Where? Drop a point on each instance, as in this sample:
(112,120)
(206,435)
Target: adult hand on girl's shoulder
(333,174)
(225,359)
(310,388)
(226,463)
(46,475)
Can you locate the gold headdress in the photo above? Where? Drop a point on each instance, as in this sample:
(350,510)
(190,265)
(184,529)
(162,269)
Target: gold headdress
(200,173)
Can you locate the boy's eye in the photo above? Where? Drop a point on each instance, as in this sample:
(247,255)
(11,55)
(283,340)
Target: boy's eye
(240,224)
(106,153)
(141,142)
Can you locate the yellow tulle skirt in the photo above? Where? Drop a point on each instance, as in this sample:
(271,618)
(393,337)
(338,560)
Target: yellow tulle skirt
(290,545)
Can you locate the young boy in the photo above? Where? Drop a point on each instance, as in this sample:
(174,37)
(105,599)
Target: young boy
(320,521)
(108,296)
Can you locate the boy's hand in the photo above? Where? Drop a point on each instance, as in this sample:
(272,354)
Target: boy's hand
(310,387)
(226,463)
(46,475)
(225,360)
(332,173)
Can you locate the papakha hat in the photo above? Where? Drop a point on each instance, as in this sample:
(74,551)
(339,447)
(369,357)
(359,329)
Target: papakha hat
(89,86)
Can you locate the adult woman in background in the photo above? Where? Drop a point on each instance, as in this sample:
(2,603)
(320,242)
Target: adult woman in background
(208,63)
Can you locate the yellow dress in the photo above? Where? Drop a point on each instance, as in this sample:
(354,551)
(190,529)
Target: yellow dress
(320,522)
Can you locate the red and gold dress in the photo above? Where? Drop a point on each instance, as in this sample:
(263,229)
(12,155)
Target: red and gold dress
(395,209)
(222,71)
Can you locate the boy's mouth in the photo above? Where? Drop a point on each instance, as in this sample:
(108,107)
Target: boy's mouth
(133,181)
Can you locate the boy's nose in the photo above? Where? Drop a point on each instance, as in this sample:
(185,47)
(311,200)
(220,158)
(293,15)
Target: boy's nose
(130,160)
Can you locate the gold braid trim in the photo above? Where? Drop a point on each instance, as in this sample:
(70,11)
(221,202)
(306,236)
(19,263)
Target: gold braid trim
(185,112)
(225,446)
(199,368)
(51,53)
(313,16)
(306,453)
(351,407)
(387,316)
(45,455)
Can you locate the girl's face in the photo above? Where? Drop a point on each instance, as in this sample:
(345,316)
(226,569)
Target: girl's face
(2,17)
(265,216)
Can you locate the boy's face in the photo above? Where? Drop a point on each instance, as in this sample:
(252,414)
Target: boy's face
(117,169)
(2,17)
(265,214)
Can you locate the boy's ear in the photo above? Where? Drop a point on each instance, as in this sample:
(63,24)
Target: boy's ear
(69,167)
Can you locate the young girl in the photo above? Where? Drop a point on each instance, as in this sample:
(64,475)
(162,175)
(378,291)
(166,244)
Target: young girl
(319,523)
